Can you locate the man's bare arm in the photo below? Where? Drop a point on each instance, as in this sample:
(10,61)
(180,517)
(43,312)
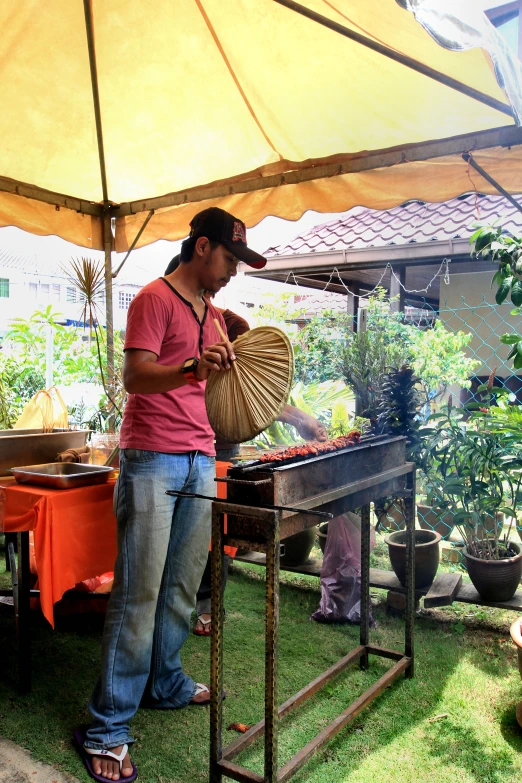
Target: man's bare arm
(308,427)
(143,375)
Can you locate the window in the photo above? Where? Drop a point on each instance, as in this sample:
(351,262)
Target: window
(71,294)
(4,287)
(33,290)
(55,293)
(44,290)
(125,300)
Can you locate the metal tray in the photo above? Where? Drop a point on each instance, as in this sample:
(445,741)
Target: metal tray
(23,447)
(62,475)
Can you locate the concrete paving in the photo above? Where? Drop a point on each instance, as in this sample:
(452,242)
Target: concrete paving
(18,766)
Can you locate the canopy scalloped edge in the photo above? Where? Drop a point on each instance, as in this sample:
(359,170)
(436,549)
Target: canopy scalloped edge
(431,171)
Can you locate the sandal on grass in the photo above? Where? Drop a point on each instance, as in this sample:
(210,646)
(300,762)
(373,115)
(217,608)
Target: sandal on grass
(87,753)
(205,629)
(202,688)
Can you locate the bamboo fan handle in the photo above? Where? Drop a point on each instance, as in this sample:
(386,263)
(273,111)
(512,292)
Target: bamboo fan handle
(220,330)
(225,338)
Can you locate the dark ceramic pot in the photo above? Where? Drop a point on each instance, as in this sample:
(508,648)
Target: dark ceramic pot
(322,533)
(495,580)
(426,555)
(297,548)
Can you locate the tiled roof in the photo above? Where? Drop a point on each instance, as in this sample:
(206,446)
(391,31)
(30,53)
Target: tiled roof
(415,221)
(31,263)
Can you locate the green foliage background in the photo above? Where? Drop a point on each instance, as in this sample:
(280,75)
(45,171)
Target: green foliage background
(327,349)
(22,363)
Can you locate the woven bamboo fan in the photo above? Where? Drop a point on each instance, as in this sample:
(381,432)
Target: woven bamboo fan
(248,398)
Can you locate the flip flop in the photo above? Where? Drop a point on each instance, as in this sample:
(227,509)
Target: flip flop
(86,753)
(202,688)
(205,631)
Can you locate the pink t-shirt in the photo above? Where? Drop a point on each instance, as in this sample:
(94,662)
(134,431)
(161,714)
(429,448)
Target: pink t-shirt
(162,321)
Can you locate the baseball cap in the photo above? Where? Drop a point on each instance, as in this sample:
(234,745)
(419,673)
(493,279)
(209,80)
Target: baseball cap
(220,226)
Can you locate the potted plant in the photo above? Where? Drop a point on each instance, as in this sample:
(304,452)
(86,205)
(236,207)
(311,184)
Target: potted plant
(397,414)
(479,476)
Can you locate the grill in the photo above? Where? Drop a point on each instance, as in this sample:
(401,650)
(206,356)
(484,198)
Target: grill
(333,483)
(267,502)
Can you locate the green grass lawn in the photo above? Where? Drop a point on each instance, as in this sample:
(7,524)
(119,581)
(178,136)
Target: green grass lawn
(465,671)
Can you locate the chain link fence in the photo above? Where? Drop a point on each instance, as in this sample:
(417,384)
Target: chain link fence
(473,314)
(466,306)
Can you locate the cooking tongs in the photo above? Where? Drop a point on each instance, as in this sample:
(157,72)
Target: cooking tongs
(178,494)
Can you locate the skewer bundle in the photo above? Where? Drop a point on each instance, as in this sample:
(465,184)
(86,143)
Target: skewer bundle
(249,397)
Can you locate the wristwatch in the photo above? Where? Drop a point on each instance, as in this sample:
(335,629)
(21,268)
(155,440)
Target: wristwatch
(188,368)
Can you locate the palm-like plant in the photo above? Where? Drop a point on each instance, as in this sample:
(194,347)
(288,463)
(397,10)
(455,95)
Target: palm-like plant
(88,276)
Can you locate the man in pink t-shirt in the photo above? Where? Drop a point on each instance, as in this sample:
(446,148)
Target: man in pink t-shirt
(171,347)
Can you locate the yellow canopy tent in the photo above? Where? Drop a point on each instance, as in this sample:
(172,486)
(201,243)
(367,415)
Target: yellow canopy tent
(145,113)
(242,103)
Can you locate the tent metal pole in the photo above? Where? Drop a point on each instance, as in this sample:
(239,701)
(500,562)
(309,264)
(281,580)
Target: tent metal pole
(508,136)
(107,228)
(109,322)
(89,26)
(131,248)
(59,200)
(386,51)
(469,159)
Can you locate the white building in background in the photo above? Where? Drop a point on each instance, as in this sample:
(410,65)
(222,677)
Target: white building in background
(27,286)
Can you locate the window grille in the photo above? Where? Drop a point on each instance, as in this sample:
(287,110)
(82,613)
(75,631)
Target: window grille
(125,299)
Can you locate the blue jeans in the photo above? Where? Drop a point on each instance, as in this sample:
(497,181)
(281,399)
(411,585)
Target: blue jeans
(162,550)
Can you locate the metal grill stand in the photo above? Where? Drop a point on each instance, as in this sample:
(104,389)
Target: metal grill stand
(262,529)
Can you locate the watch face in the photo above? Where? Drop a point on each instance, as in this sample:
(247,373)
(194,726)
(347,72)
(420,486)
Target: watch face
(189,367)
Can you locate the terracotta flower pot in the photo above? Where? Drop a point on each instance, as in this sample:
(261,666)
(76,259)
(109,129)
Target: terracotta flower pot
(426,555)
(429,520)
(495,580)
(516,635)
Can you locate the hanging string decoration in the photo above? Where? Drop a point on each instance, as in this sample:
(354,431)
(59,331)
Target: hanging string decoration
(249,397)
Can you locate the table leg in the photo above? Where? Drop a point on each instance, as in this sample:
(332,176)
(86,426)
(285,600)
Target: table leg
(409,508)
(364,632)
(271,654)
(10,538)
(23,619)
(216,648)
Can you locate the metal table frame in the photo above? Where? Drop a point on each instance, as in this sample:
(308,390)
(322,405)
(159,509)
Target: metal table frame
(269,527)
(21,596)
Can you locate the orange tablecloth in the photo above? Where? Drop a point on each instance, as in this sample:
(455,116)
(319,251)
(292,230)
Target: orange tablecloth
(74,533)
(221,471)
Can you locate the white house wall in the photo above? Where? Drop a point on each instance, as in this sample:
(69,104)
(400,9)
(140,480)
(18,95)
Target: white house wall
(29,292)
